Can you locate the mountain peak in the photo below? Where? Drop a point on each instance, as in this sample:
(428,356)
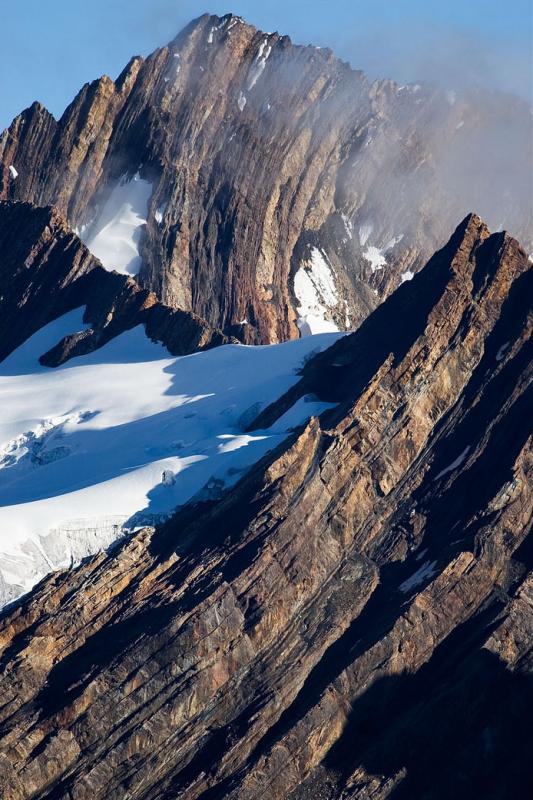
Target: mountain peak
(333,598)
(213,26)
(263,165)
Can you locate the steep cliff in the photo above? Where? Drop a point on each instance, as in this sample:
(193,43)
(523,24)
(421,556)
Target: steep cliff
(267,187)
(353,620)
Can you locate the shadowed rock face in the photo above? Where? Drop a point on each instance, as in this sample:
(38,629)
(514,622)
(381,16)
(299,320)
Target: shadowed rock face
(264,156)
(45,271)
(352,621)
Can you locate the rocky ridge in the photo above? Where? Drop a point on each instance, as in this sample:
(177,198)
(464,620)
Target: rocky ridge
(311,633)
(284,185)
(47,271)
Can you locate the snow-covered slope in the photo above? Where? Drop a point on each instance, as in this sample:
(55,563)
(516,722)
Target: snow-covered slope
(119,438)
(315,291)
(115,234)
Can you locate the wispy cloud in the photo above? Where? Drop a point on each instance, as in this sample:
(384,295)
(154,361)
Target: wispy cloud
(443,55)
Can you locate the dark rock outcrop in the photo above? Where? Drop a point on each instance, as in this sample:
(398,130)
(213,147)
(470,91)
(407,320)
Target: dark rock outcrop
(353,620)
(46,271)
(262,156)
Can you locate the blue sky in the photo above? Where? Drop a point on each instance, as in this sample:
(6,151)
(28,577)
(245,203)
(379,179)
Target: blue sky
(49,49)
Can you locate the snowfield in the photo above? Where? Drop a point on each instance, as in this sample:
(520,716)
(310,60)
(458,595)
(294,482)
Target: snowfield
(121,437)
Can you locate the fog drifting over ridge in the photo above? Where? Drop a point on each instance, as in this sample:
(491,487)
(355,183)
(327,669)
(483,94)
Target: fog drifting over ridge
(455,45)
(477,152)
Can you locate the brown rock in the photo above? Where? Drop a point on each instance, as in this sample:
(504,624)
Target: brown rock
(46,271)
(317,157)
(329,629)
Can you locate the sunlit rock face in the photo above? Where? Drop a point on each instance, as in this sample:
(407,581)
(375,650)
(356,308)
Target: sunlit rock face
(300,571)
(358,596)
(220,166)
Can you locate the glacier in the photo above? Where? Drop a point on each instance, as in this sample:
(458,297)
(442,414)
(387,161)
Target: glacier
(119,438)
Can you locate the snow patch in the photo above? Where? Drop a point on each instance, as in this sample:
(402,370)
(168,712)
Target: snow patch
(80,231)
(316,294)
(393,242)
(376,256)
(177,67)
(457,463)
(232,442)
(13,172)
(347,318)
(407,276)
(115,235)
(241,101)
(159,213)
(348,225)
(123,436)
(427,570)
(501,352)
(257,68)
(304,408)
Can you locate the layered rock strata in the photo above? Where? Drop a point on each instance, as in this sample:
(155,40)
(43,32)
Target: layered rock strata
(285,188)
(46,271)
(353,620)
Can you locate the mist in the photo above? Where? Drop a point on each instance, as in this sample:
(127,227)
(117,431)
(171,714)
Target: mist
(445,56)
(486,49)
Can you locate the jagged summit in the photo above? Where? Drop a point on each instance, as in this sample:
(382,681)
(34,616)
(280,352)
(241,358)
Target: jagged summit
(278,191)
(293,572)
